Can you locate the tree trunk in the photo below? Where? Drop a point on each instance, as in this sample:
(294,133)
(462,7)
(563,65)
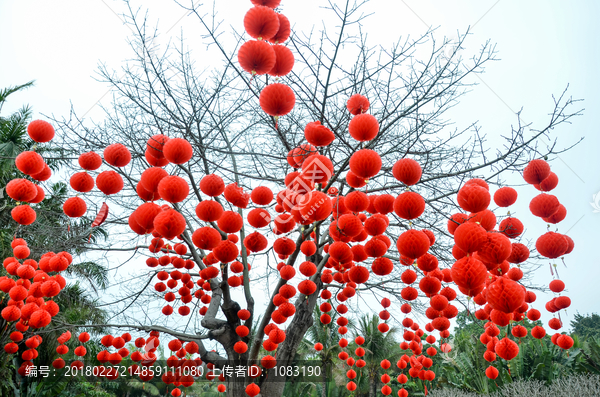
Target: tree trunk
(373,386)
(235,387)
(324,389)
(303,319)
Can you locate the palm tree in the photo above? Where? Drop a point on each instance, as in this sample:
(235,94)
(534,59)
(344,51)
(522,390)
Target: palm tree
(378,347)
(327,335)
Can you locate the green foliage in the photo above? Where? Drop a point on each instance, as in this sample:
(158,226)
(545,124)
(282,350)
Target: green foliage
(586,326)
(539,362)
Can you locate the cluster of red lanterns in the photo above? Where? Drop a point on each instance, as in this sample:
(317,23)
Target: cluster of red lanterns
(487,255)
(30,294)
(30,301)
(267,55)
(30,163)
(551,245)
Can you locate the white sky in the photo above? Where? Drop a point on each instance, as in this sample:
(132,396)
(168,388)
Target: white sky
(543,46)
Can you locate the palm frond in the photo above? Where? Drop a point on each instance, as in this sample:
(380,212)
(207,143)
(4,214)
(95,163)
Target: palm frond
(94,273)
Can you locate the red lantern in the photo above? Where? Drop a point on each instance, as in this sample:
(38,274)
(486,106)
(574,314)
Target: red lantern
(519,253)
(491,372)
(307,287)
(505,196)
(469,274)
(178,151)
(284,30)
(236,196)
(317,168)
(407,171)
(90,161)
(257,57)
(23,215)
(470,237)
(212,185)
(355,181)
(507,349)
(496,249)
(39,197)
(155,145)
(505,295)
(261,195)
(117,155)
(536,171)
(255,242)
(81,182)
(226,251)
(565,342)
(284,61)
(357,104)
(548,184)
(109,182)
(382,266)
(74,207)
(409,205)
(511,227)
(558,216)
(363,127)
(455,221)
(173,189)
(473,198)
(317,134)
(413,243)
(544,205)
(365,163)
(317,208)
(277,99)
(259,217)
(261,22)
(30,163)
(151,177)
(21,190)
(44,175)
(40,131)
(169,224)
(552,245)
(358,274)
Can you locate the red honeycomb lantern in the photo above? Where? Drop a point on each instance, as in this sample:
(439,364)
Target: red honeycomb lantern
(277,99)
(257,57)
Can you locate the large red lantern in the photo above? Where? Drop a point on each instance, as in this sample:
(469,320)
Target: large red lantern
(117,155)
(40,131)
(363,127)
(473,198)
(261,22)
(256,57)
(413,243)
(317,134)
(552,245)
(365,163)
(536,171)
(505,295)
(284,30)
(284,61)
(357,104)
(277,99)
(469,273)
(409,205)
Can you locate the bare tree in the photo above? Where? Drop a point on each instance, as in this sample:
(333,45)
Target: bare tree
(217,111)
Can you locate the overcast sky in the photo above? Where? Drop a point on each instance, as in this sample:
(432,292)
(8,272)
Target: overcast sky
(543,47)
